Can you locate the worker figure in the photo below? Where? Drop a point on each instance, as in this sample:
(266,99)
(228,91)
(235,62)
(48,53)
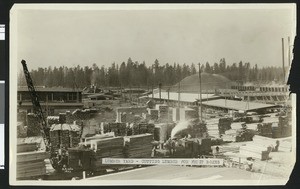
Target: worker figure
(217,149)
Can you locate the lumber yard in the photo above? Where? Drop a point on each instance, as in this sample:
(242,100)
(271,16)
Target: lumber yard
(70,140)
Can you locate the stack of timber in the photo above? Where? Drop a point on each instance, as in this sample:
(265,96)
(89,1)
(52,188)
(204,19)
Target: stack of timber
(142,128)
(27,147)
(285,126)
(80,158)
(62,118)
(64,135)
(52,120)
(87,140)
(33,125)
(106,148)
(77,116)
(265,129)
(153,114)
(213,128)
(138,146)
(118,128)
(231,134)
(31,163)
(224,124)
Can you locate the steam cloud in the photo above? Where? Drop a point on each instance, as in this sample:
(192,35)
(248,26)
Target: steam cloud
(180,127)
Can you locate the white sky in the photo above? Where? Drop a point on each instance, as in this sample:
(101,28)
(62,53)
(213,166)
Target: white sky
(84,37)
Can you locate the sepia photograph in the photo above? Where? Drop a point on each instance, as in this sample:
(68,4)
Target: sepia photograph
(151,94)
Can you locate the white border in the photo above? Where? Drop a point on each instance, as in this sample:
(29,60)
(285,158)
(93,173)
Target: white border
(13,89)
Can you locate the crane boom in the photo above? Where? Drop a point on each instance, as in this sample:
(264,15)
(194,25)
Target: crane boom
(37,109)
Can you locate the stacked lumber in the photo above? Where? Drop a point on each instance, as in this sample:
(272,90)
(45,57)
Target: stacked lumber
(265,129)
(62,118)
(104,148)
(79,158)
(77,115)
(198,130)
(64,135)
(118,128)
(153,114)
(142,128)
(224,124)
(27,147)
(33,127)
(31,164)
(285,126)
(138,146)
(52,120)
(213,128)
(87,140)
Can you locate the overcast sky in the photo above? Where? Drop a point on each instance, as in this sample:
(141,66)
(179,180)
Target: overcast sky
(75,37)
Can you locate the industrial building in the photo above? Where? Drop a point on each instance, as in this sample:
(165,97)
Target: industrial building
(52,100)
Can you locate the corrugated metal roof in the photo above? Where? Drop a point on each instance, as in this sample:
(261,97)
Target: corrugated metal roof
(185,97)
(237,105)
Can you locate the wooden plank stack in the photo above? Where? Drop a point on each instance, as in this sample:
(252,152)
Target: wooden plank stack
(62,118)
(138,146)
(21,130)
(224,124)
(285,127)
(255,151)
(265,129)
(142,128)
(27,147)
(213,128)
(153,114)
(104,148)
(31,163)
(52,120)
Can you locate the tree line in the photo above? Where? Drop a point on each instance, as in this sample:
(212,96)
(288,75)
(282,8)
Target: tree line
(136,74)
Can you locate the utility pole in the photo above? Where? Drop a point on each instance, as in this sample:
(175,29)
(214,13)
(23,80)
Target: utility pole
(282,40)
(179,94)
(200,96)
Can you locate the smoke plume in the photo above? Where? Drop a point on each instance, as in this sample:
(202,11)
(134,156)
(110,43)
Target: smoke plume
(180,127)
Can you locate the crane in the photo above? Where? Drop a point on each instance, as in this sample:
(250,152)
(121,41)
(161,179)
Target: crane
(37,109)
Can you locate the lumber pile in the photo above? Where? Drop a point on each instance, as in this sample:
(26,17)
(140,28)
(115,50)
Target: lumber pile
(52,120)
(31,164)
(118,128)
(142,128)
(27,147)
(62,118)
(285,126)
(224,124)
(213,128)
(87,140)
(33,125)
(77,116)
(265,129)
(104,148)
(153,114)
(64,135)
(80,158)
(138,146)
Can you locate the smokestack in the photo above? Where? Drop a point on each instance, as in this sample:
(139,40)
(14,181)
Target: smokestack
(289,55)
(283,68)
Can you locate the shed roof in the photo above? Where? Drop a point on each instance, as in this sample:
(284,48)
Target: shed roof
(185,97)
(237,105)
(49,89)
